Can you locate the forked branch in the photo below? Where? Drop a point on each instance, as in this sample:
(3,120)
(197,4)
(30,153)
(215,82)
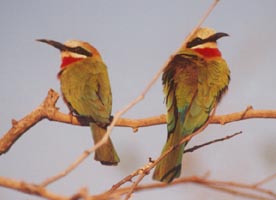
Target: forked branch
(48,110)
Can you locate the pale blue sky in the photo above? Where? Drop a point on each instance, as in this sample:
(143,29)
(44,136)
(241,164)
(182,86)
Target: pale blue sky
(135,38)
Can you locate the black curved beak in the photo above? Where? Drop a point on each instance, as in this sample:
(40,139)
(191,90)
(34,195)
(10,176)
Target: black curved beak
(62,47)
(216,36)
(55,44)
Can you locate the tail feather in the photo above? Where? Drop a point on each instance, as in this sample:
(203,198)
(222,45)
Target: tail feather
(169,167)
(106,154)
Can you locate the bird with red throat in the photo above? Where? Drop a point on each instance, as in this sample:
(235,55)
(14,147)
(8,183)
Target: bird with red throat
(86,90)
(193,84)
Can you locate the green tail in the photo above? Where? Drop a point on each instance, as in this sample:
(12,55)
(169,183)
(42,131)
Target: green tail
(169,167)
(106,154)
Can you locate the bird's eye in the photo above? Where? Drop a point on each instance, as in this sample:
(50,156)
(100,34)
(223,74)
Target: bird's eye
(197,40)
(194,42)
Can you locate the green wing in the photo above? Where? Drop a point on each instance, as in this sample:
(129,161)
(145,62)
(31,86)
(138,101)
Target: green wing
(192,86)
(86,88)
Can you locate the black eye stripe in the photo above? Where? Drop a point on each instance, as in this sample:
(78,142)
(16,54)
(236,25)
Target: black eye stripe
(195,42)
(79,50)
(213,38)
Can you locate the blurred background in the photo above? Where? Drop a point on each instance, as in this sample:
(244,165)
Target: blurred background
(135,38)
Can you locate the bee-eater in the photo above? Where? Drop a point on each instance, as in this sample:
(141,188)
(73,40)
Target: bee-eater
(193,83)
(86,90)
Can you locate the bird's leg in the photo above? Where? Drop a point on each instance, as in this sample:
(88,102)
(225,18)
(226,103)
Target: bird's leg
(103,124)
(71,116)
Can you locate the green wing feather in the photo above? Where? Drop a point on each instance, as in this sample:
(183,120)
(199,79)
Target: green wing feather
(191,86)
(86,89)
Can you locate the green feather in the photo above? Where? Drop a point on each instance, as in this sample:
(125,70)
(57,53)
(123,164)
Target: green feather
(86,89)
(192,86)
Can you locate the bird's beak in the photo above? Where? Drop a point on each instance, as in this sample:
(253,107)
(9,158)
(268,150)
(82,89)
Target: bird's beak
(217,36)
(55,44)
(62,47)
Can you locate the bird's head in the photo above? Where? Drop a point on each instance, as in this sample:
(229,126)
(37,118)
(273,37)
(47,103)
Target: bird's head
(204,41)
(205,37)
(73,50)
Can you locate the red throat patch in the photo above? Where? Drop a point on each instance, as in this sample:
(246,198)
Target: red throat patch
(208,52)
(68,60)
(65,62)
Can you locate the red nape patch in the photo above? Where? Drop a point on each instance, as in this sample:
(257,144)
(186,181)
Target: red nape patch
(68,60)
(208,52)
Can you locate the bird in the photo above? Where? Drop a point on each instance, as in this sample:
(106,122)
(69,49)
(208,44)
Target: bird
(193,83)
(86,90)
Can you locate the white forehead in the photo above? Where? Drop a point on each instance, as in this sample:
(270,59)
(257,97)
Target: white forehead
(73,43)
(205,32)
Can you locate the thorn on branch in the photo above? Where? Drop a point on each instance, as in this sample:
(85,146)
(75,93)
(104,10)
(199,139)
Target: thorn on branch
(52,97)
(248,108)
(151,160)
(14,122)
(135,129)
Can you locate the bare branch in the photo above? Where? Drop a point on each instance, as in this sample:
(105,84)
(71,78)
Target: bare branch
(162,156)
(129,177)
(267,179)
(239,189)
(119,113)
(30,189)
(151,162)
(48,110)
(152,82)
(161,119)
(234,188)
(70,168)
(45,110)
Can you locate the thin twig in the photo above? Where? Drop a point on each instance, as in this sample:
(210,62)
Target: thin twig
(47,110)
(244,186)
(156,76)
(141,170)
(162,156)
(237,192)
(70,168)
(201,21)
(129,177)
(161,119)
(267,179)
(234,188)
(122,111)
(192,149)
(239,189)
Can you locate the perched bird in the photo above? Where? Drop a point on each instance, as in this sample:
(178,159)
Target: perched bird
(86,90)
(193,83)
